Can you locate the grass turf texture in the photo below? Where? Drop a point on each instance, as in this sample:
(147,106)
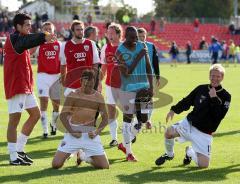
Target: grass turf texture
(224,167)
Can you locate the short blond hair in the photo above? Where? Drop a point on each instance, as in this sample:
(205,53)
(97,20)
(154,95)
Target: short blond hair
(74,23)
(217,67)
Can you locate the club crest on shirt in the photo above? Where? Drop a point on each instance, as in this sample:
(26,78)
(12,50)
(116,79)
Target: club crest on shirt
(202,98)
(86,47)
(63,143)
(21,105)
(55,47)
(226,104)
(40,91)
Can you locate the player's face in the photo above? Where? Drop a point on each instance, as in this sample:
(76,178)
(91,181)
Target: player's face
(25,28)
(142,36)
(78,31)
(48,28)
(95,35)
(112,35)
(216,78)
(87,84)
(132,38)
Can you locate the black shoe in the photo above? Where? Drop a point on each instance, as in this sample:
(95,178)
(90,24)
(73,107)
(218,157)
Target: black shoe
(53,130)
(187,159)
(134,139)
(45,135)
(162,159)
(19,161)
(25,157)
(113,143)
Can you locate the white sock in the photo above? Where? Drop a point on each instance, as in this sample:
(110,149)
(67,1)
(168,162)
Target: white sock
(191,153)
(44,121)
(134,131)
(169,143)
(113,128)
(54,119)
(21,142)
(12,150)
(83,157)
(150,114)
(127,137)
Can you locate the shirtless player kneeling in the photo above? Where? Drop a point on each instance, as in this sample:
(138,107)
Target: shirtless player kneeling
(78,117)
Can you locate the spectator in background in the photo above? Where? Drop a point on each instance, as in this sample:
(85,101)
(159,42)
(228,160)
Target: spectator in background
(188,52)
(162,23)
(225,52)
(196,24)
(237,54)
(89,19)
(174,53)
(75,17)
(126,19)
(203,45)
(231,51)
(231,28)
(152,26)
(214,48)
(45,17)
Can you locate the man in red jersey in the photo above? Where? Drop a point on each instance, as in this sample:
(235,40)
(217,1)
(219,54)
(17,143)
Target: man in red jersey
(76,55)
(18,85)
(113,81)
(48,74)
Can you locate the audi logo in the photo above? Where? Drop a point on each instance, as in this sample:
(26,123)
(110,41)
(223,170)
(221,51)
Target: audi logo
(80,55)
(50,53)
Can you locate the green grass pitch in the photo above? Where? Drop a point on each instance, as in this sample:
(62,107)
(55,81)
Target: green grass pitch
(225,162)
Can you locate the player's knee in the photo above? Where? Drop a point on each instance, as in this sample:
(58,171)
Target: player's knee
(102,166)
(56,164)
(169,134)
(36,115)
(203,165)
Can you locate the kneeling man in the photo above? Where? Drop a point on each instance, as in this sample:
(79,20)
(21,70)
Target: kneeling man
(78,117)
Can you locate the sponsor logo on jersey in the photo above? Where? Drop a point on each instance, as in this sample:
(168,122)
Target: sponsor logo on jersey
(80,56)
(50,54)
(86,47)
(55,47)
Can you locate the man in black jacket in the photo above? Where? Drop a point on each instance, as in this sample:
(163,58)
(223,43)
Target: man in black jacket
(210,104)
(18,85)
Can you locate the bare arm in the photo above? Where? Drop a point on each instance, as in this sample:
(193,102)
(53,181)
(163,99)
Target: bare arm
(103,112)
(149,70)
(66,112)
(127,70)
(63,71)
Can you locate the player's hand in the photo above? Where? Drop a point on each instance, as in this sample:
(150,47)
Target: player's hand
(142,53)
(50,37)
(76,134)
(170,115)
(158,82)
(92,134)
(212,93)
(150,90)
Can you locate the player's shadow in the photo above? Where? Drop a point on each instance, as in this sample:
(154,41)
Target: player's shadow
(189,174)
(44,173)
(116,160)
(40,139)
(226,133)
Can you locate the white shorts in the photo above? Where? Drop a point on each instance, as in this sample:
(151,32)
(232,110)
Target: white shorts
(67,91)
(201,142)
(20,102)
(91,147)
(112,95)
(44,82)
(127,101)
